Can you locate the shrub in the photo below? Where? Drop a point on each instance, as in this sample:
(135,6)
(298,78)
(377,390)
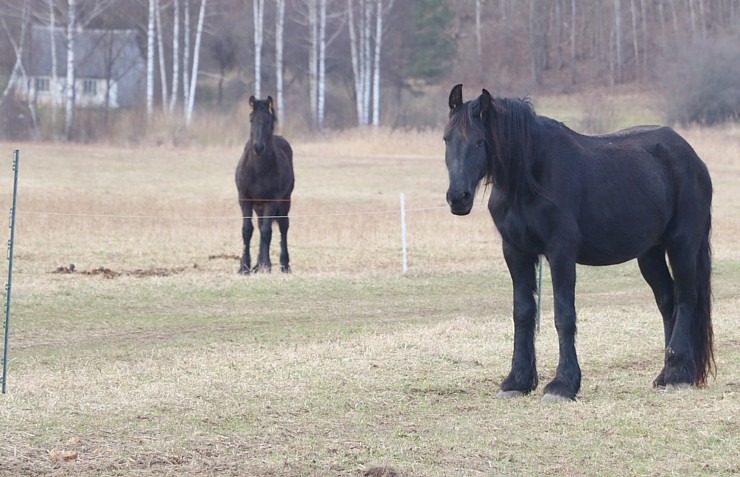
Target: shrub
(702,86)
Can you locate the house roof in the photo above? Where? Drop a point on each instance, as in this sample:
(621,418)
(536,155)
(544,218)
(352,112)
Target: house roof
(102,54)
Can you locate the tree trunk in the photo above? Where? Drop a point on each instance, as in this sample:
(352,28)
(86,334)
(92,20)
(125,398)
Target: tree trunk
(478,46)
(537,35)
(313,63)
(69,112)
(376,62)
(635,40)
(196,56)
(355,52)
(186,56)
(321,93)
(150,62)
(54,86)
(259,10)
(367,61)
(279,30)
(175,56)
(618,41)
(573,51)
(160,54)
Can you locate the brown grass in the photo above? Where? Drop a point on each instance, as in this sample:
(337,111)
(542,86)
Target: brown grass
(346,366)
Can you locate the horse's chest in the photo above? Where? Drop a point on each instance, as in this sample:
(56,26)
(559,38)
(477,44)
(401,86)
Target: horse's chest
(514,227)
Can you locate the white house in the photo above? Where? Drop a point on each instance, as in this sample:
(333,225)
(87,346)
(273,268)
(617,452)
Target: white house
(109,66)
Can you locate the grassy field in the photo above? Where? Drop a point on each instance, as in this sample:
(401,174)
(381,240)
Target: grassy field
(155,358)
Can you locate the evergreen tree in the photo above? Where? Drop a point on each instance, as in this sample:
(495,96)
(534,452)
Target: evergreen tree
(431,49)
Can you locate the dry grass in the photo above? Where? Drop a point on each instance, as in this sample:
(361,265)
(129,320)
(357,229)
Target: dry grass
(345,367)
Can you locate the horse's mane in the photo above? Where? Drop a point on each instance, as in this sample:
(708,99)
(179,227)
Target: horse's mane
(508,129)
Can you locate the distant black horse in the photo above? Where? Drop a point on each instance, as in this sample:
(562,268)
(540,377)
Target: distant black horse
(595,200)
(264,179)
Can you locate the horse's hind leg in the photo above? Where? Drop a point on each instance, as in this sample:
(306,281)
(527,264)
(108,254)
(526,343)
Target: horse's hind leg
(247,230)
(680,364)
(655,271)
(283,224)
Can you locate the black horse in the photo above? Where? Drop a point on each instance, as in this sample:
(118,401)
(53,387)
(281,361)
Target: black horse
(596,200)
(265,180)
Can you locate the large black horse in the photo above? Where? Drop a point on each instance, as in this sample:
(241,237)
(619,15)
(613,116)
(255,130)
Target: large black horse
(596,200)
(264,179)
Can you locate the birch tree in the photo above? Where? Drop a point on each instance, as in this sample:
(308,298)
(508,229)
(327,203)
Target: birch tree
(376,61)
(259,10)
(186,54)
(175,55)
(279,30)
(149,60)
(69,111)
(366,40)
(160,53)
(196,56)
(54,86)
(618,41)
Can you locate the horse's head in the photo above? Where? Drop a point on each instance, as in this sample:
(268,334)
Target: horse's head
(466,148)
(262,119)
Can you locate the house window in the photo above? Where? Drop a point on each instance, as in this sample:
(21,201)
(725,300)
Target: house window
(89,87)
(41,84)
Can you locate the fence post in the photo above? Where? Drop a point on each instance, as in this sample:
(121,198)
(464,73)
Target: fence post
(403,232)
(16,156)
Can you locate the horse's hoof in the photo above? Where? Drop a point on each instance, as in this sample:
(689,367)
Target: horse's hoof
(509,394)
(285,269)
(677,387)
(555,398)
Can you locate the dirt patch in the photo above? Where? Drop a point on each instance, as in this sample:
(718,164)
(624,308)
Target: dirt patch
(108,273)
(224,256)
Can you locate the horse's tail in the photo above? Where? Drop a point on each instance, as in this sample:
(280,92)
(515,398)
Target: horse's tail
(702,335)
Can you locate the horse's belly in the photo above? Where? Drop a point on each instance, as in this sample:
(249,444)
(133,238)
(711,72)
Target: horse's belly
(618,243)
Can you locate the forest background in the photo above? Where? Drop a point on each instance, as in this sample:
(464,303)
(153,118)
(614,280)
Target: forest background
(335,64)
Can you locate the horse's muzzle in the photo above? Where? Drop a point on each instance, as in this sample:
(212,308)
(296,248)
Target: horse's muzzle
(461,203)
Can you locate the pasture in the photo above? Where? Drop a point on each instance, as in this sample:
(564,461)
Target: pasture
(152,356)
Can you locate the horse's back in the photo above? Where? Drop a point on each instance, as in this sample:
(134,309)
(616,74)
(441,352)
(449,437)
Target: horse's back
(635,186)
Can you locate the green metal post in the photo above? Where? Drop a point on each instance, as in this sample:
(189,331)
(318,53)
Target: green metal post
(16,156)
(539,294)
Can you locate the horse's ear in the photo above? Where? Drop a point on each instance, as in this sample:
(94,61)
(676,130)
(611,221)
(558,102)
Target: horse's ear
(251,102)
(270,109)
(456,98)
(486,103)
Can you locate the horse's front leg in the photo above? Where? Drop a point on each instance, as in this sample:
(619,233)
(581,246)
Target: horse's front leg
(567,381)
(265,225)
(283,225)
(522,378)
(247,230)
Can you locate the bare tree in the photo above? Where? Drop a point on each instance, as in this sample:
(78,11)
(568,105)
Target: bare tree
(160,53)
(279,32)
(175,55)
(69,111)
(18,68)
(54,86)
(149,60)
(196,56)
(186,55)
(365,51)
(259,11)
(537,35)
(618,41)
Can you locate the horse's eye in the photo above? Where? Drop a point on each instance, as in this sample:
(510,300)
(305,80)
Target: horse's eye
(480,142)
